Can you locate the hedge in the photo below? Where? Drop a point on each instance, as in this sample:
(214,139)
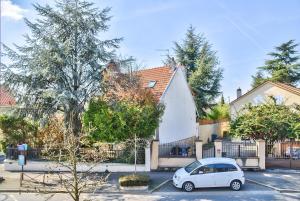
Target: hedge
(134,180)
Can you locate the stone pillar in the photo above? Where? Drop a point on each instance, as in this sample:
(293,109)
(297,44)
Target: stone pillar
(198,144)
(154,155)
(147,158)
(218,148)
(261,154)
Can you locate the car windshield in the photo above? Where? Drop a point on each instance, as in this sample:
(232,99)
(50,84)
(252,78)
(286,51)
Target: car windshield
(189,168)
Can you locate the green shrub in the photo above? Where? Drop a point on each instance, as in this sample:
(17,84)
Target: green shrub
(134,180)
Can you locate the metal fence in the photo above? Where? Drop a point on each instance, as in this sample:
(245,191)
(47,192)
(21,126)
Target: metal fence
(283,149)
(124,155)
(208,150)
(239,149)
(33,153)
(182,148)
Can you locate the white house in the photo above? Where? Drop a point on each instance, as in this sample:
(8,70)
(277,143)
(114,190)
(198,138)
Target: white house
(169,84)
(284,93)
(7,101)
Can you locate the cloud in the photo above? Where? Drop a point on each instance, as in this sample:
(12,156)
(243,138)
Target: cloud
(154,9)
(10,10)
(243,28)
(149,10)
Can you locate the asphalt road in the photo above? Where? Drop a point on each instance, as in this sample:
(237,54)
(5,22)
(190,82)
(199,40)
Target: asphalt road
(182,196)
(250,191)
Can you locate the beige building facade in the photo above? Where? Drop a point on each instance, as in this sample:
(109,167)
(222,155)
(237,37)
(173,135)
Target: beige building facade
(283,93)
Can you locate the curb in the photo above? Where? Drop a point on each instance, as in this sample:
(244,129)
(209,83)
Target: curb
(29,191)
(160,185)
(262,184)
(61,191)
(280,190)
(282,171)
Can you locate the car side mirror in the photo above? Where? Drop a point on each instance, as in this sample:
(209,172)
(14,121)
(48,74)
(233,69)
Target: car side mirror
(200,172)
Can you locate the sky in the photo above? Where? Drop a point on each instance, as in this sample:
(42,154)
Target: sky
(242,32)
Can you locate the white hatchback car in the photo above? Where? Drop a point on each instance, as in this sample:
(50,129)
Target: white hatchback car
(210,172)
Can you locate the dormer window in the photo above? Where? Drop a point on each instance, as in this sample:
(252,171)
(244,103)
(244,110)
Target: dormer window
(151,83)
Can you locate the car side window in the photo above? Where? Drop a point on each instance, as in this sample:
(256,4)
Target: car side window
(225,168)
(221,167)
(207,169)
(196,171)
(231,168)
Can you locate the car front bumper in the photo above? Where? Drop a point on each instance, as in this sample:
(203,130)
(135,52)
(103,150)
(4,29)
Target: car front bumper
(176,183)
(243,180)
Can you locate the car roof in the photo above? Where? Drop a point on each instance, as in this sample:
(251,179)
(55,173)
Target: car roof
(206,161)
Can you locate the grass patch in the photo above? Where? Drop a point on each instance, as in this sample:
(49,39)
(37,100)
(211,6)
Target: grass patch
(134,180)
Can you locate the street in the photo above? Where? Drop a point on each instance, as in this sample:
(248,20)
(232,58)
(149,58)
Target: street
(110,191)
(180,196)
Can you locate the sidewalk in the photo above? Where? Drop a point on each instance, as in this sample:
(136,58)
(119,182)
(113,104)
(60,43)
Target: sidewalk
(12,181)
(289,181)
(33,182)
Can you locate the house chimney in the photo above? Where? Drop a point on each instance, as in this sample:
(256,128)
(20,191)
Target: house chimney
(238,93)
(173,64)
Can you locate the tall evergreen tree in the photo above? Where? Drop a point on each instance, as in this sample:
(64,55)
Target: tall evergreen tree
(59,67)
(187,53)
(205,80)
(222,101)
(258,79)
(283,67)
(203,73)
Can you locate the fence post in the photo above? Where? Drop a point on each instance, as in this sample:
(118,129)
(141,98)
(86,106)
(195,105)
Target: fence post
(154,155)
(147,158)
(261,153)
(198,145)
(218,148)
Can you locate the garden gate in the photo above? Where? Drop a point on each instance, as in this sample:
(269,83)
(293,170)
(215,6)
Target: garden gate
(283,154)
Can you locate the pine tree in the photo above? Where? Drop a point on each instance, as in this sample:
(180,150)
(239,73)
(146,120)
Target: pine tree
(205,81)
(187,53)
(258,79)
(203,73)
(59,67)
(222,102)
(283,67)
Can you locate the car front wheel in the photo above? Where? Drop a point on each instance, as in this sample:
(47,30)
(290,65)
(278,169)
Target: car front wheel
(188,186)
(236,185)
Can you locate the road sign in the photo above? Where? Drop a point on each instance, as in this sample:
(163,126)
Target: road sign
(21,160)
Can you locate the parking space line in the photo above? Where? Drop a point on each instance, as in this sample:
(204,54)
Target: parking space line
(281,190)
(160,185)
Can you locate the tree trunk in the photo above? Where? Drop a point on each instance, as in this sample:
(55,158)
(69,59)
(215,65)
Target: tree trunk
(73,121)
(76,192)
(135,153)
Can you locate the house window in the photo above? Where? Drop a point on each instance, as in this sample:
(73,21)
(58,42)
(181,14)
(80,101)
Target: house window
(151,83)
(258,100)
(279,99)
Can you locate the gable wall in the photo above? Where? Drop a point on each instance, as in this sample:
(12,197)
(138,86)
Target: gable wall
(179,119)
(260,94)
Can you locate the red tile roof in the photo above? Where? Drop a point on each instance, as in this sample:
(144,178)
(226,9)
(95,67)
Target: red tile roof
(6,98)
(162,76)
